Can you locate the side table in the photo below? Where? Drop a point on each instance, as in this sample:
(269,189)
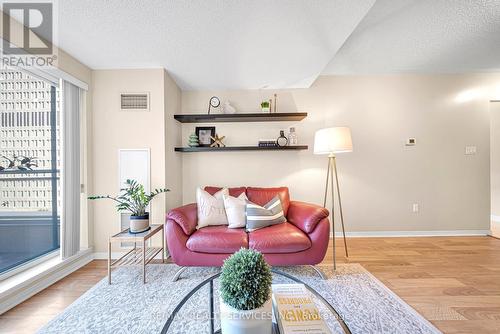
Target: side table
(138,255)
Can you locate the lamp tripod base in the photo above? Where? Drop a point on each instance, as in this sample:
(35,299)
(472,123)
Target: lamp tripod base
(330,174)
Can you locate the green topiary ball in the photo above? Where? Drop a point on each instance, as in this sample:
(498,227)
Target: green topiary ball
(245,281)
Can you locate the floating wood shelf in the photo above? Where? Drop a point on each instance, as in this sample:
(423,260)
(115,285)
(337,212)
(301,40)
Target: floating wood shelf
(240,148)
(252,117)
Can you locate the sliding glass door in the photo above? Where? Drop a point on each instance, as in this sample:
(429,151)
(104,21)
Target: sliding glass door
(30,166)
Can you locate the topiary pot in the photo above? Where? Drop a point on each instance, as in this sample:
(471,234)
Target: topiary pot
(139,224)
(245,294)
(256,321)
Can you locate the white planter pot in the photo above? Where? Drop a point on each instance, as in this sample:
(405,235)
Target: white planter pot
(139,223)
(266,109)
(257,321)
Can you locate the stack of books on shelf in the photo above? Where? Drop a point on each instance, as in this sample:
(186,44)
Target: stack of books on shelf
(295,311)
(267,143)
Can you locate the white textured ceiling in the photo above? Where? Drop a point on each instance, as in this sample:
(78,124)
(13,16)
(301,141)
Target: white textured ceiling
(212,44)
(245,44)
(423,36)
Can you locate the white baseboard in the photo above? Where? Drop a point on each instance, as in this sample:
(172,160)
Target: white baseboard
(451,233)
(42,280)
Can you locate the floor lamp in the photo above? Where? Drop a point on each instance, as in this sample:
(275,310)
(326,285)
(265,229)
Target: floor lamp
(331,141)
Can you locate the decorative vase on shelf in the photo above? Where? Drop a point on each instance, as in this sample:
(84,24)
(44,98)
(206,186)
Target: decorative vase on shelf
(282,140)
(227,108)
(293,140)
(193,140)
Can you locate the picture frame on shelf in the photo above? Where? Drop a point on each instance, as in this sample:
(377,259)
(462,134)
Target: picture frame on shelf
(205,134)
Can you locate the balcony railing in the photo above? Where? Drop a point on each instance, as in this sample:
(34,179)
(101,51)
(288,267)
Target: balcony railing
(26,235)
(54,173)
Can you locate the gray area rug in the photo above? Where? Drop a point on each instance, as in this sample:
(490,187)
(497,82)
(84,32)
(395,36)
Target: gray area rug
(128,306)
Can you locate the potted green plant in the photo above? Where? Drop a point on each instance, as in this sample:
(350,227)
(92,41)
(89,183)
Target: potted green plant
(134,199)
(265,106)
(245,294)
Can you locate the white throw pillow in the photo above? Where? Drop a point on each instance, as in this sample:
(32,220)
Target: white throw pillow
(235,210)
(211,208)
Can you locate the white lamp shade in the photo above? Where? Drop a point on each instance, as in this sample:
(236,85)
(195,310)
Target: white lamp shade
(333,140)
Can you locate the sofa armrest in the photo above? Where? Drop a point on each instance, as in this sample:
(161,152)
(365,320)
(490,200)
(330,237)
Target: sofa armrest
(305,215)
(186,217)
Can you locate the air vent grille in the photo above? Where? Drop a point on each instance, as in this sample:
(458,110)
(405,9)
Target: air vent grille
(134,101)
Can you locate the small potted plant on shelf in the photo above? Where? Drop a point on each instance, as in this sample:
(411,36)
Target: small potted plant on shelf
(245,294)
(265,106)
(134,199)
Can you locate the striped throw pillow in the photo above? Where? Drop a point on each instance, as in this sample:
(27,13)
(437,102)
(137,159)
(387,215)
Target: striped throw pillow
(263,216)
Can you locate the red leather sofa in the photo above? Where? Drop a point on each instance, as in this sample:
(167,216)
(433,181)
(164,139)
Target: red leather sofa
(302,240)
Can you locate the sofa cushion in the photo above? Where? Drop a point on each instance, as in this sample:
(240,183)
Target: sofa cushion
(261,196)
(211,208)
(235,192)
(217,240)
(264,216)
(235,210)
(281,238)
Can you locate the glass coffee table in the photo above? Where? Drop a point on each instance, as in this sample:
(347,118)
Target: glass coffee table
(185,319)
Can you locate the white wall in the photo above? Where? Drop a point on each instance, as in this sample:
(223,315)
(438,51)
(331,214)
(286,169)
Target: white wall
(495,168)
(382,178)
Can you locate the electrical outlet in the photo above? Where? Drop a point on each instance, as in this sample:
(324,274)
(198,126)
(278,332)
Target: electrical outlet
(415,207)
(470,150)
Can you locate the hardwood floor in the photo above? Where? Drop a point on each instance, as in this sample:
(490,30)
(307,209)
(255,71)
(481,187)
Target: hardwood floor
(454,282)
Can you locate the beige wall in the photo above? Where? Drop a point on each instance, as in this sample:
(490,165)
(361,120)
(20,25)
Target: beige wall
(382,178)
(113,130)
(173,168)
